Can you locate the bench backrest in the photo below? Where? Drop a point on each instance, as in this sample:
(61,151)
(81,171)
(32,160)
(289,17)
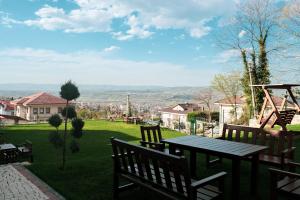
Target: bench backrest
(168,172)
(151,137)
(277,141)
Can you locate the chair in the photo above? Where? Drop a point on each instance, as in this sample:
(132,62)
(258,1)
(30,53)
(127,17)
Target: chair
(285,183)
(152,138)
(25,150)
(9,156)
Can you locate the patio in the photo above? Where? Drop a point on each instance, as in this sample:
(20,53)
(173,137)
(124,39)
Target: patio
(16,182)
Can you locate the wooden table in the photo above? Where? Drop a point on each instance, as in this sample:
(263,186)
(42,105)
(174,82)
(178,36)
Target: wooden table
(235,151)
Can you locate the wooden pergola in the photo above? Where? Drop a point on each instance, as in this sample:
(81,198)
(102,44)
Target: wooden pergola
(277,116)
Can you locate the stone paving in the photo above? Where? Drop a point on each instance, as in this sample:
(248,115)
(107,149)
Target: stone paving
(17,183)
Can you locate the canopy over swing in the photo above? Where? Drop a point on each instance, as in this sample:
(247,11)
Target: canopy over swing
(277,116)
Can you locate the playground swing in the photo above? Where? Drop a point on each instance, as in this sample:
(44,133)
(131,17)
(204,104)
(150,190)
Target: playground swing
(283,115)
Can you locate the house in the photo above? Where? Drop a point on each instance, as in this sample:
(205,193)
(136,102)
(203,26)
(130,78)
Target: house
(6,108)
(38,107)
(174,116)
(226,107)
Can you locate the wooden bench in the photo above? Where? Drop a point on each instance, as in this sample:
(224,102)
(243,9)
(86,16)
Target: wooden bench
(25,150)
(162,173)
(285,183)
(280,143)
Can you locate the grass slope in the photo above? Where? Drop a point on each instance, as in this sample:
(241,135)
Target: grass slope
(89,172)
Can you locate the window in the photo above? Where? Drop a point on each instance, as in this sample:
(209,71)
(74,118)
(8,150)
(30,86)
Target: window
(47,110)
(59,109)
(35,111)
(41,110)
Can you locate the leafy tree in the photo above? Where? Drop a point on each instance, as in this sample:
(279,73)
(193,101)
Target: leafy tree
(193,115)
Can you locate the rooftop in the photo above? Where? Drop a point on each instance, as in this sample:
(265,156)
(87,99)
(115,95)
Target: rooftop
(39,99)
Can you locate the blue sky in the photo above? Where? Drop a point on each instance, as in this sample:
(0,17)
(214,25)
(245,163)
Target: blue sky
(128,42)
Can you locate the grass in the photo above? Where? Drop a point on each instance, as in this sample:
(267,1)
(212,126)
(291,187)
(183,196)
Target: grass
(89,173)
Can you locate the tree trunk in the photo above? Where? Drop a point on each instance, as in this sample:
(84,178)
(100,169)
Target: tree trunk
(65,138)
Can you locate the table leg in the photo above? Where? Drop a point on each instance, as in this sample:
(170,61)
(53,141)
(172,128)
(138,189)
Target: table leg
(193,161)
(254,174)
(236,168)
(172,149)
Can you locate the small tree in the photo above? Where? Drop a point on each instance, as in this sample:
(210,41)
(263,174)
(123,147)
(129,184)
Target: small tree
(206,98)
(230,86)
(69,91)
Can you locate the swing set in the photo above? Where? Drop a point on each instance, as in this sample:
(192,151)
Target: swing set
(283,115)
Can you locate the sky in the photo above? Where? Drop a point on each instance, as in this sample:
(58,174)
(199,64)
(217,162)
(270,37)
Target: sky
(114,42)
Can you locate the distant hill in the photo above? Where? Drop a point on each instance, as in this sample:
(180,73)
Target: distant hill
(158,95)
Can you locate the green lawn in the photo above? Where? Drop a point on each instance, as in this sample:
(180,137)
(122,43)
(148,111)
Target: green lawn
(89,172)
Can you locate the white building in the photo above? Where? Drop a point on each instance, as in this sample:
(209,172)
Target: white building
(6,108)
(39,107)
(173,116)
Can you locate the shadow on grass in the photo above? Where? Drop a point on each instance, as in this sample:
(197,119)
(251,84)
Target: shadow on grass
(89,172)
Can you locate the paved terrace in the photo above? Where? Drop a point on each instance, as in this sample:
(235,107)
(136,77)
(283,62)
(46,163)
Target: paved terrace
(17,183)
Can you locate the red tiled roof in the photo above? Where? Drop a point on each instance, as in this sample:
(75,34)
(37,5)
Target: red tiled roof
(7,105)
(187,108)
(242,100)
(40,99)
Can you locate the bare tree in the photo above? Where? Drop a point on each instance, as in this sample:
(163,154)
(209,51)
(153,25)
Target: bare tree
(251,31)
(206,98)
(230,86)
(291,17)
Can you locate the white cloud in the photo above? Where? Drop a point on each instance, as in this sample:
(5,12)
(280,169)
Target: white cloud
(141,17)
(227,56)
(90,67)
(242,33)
(111,48)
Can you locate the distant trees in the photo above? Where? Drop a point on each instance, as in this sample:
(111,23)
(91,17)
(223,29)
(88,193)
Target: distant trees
(69,91)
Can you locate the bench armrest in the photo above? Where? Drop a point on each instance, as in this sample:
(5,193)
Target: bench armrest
(275,172)
(217,177)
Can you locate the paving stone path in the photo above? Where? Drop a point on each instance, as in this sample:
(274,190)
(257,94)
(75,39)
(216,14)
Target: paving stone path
(17,183)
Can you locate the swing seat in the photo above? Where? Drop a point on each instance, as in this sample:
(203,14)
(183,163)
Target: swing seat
(286,116)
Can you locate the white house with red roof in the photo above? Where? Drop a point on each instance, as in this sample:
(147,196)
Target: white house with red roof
(38,107)
(173,116)
(6,108)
